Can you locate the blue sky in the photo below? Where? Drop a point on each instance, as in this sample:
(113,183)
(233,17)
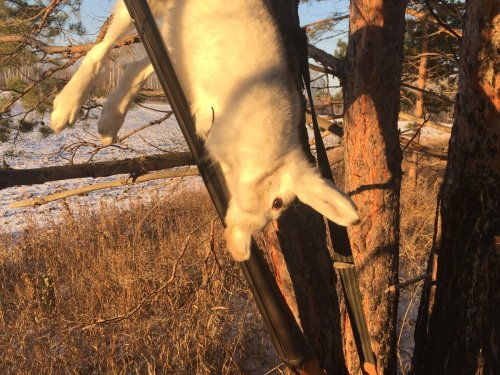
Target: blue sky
(94,12)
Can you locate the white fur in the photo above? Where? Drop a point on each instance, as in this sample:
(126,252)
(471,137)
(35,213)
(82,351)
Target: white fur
(231,62)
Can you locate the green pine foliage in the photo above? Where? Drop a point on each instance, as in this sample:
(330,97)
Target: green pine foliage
(28,76)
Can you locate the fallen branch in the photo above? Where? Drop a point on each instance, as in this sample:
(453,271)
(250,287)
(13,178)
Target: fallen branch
(326,125)
(136,166)
(415,146)
(104,185)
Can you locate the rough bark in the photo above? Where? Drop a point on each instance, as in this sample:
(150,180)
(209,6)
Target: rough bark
(373,166)
(304,269)
(458,328)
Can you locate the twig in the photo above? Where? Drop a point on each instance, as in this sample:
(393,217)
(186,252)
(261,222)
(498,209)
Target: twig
(152,109)
(151,123)
(404,320)
(155,206)
(416,133)
(415,280)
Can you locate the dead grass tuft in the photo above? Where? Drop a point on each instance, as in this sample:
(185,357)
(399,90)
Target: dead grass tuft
(145,291)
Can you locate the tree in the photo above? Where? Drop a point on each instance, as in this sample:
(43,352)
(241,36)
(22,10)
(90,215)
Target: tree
(458,327)
(373,165)
(430,51)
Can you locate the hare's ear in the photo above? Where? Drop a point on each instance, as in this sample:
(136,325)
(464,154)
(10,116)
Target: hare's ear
(325,197)
(238,242)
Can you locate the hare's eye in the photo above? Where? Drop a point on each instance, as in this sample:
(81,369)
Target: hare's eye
(278,203)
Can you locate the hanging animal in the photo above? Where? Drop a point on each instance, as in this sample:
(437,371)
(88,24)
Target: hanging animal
(231,61)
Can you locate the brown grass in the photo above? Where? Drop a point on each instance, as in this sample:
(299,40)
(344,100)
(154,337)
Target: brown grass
(418,212)
(145,291)
(152,290)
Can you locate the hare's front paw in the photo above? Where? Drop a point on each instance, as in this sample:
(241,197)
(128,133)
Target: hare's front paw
(66,111)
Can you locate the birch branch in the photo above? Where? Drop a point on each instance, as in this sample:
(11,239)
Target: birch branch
(104,185)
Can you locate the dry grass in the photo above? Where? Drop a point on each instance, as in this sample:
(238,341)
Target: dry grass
(418,210)
(153,291)
(193,315)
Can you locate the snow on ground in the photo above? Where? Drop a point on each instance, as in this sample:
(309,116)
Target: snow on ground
(32,150)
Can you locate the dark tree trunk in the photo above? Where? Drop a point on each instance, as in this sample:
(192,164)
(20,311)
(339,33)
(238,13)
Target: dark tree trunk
(373,165)
(304,272)
(458,330)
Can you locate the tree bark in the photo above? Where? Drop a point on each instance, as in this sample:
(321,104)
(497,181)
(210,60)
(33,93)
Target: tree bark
(458,328)
(373,166)
(304,271)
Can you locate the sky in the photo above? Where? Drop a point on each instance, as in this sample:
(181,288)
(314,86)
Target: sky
(94,12)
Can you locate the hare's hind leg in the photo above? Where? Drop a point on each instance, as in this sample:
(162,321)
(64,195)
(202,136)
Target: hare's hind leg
(69,101)
(118,103)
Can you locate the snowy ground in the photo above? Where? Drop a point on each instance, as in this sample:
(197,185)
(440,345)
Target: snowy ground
(32,150)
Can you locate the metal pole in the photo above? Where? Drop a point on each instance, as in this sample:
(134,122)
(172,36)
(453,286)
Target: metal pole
(285,333)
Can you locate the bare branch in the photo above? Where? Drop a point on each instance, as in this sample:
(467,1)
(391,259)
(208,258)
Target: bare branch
(335,64)
(457,33)
(105,185)
(443,98)
(329,20)
(74,49)
(402,285)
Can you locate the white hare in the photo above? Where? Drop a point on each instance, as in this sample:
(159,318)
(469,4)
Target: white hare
(232,65)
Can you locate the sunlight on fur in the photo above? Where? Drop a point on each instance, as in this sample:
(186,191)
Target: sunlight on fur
(232,64)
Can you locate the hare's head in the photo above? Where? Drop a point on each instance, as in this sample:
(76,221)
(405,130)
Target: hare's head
(261,198)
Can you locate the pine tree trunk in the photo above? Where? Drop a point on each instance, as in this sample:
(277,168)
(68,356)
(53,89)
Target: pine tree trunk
(304,270)
(459,332)
(373,165)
